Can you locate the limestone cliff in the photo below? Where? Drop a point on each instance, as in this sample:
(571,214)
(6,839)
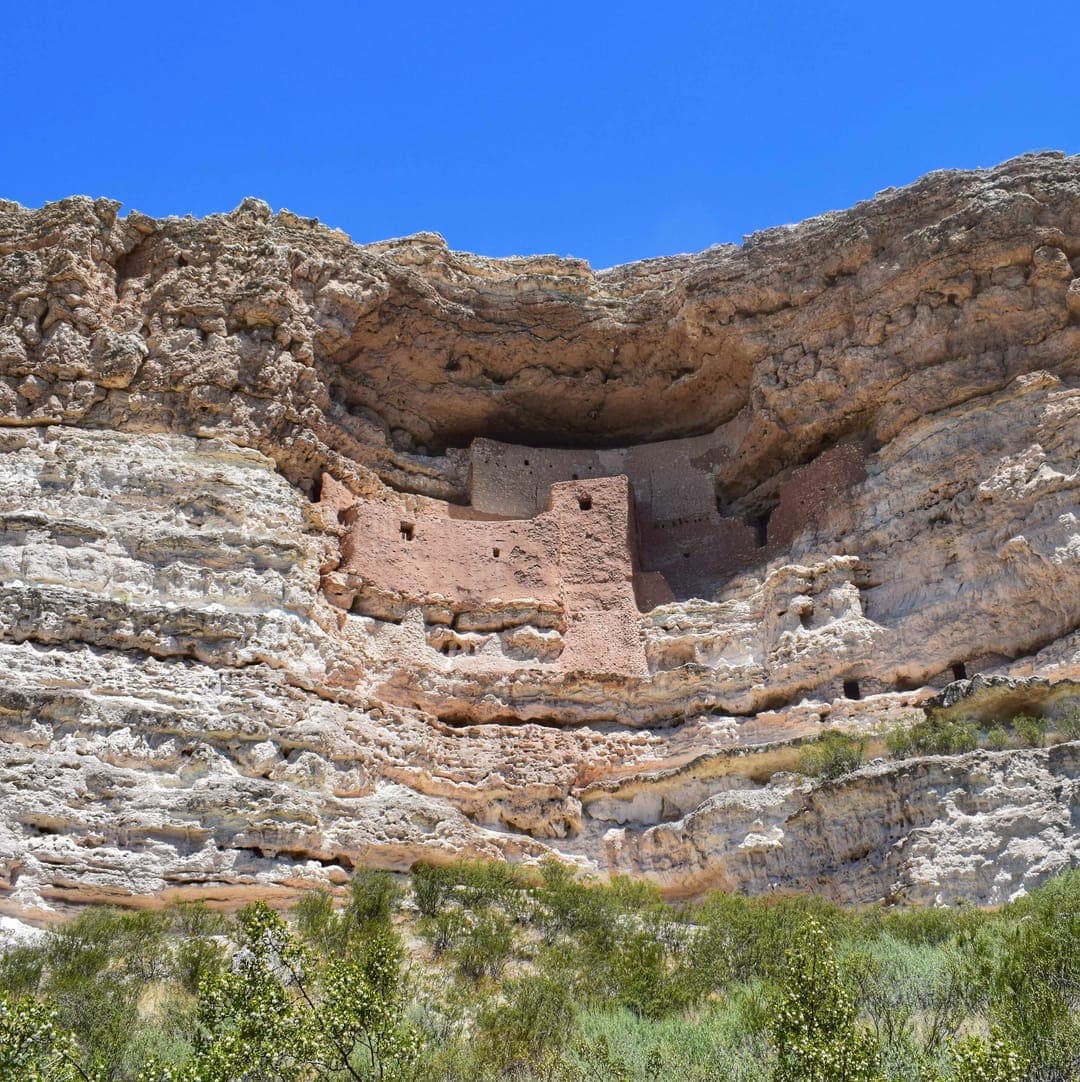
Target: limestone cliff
(315,554)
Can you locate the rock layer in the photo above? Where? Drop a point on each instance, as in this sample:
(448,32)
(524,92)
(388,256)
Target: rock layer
(315,554)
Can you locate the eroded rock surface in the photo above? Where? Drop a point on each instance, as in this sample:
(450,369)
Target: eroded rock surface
(315,554)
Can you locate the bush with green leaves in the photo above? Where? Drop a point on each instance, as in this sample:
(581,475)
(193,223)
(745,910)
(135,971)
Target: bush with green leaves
(814,1027)
(1037,986)
(1068,724)
(276,1014)
(832,755)
(432,884)
(997,739)
(987,1059)
(35,1048)
(1030,731)
(485,945)
(933,735)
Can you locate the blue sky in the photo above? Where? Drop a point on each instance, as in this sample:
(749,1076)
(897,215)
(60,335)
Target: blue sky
(606,131)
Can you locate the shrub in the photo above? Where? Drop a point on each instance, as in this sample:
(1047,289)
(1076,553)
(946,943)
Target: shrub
(1037,996)
(832,755)
(445,930)
(1030,731)
(430,885)
(318,925)
(978,1059)
(535,1021)
(814,1027)
(933,736)
(997,739)
(33,1046)
(1069,725)
(486,946)
(372,898)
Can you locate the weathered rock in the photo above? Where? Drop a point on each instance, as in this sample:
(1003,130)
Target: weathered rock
(315,554)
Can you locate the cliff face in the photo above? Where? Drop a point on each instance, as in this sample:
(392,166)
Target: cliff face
(315,554)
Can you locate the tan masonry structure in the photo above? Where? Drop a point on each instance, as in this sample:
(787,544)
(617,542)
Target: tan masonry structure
(561,549)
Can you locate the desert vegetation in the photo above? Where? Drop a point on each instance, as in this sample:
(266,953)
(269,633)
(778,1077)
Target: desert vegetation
(483,971)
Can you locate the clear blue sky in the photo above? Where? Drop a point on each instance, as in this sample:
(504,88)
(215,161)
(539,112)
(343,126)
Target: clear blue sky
(610,131)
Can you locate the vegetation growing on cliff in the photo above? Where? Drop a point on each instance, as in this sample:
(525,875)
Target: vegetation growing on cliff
(480,972)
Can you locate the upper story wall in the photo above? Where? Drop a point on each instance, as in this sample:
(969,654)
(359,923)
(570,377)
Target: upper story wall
(671,479)
(681,534)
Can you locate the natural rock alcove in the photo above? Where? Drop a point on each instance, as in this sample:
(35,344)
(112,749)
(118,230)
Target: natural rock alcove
(317,555)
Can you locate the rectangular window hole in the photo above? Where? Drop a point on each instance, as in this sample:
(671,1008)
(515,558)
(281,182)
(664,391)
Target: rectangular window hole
(585,503)
(407,531)
(760,523)
(495,553)
(851,689)
(959,670)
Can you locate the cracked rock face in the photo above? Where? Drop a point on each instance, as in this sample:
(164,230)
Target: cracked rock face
(315,555)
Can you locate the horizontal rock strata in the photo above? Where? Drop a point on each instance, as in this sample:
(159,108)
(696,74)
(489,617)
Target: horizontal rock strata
(315,555)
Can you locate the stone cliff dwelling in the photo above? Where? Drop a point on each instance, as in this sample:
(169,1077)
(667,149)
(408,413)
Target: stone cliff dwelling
(579,541)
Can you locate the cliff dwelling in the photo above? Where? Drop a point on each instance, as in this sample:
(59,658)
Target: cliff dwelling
(560,550)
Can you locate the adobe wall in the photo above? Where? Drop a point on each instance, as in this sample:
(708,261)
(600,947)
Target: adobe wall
(685,546)
(814,489)
(671,479)
(576,557)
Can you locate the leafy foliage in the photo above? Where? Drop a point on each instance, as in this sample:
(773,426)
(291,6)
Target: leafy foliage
(832,755)
(932,736)
(550,978)
(815,1030)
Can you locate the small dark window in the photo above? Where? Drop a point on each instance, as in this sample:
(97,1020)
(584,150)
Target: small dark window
(761,528)
(526,462)
(407,531)
(574,477)
(959,671)
(686,555)
(585,503)
(851,689)
(495,553)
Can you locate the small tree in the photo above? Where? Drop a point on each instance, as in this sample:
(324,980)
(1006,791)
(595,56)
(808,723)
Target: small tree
(814,1029)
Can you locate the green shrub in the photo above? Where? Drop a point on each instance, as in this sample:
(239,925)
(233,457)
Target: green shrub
(532,1022)
(1030,731)
(485,946)
(373,896)
(1069,725)
(1037,993)
(431,885)
(814,1022)
(997,739)
(33,1045)
(318,924)
(933,736)
(993,1059)
(445,930)
(832,755)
